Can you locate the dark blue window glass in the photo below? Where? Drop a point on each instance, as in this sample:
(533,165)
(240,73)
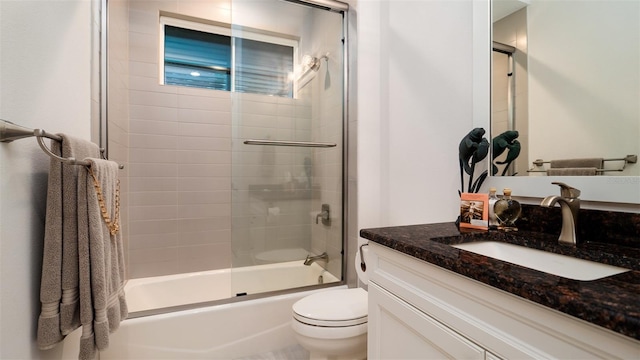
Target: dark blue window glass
(202,59)
(196,58)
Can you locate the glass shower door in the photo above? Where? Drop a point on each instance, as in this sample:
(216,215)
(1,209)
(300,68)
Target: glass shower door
(287,146)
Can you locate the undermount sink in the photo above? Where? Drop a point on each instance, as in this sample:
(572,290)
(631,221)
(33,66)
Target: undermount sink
(561,265)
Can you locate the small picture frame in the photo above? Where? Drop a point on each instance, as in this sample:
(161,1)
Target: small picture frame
(474,211)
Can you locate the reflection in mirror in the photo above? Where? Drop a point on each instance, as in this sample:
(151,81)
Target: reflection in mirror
(570,87)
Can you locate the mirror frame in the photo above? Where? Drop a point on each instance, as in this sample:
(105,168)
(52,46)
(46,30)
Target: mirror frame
(608,189)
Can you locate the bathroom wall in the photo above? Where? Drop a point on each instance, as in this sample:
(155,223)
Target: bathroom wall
(595,102)
(415,105)
(45,77)
(179,158)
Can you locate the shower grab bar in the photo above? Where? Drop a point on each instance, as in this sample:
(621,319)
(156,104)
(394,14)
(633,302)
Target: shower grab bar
(10,132)
(290,143)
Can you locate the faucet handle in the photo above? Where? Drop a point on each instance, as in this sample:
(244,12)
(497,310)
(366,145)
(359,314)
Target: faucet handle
(567,191)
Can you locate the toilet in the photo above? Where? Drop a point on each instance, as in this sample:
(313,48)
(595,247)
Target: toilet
(332,324)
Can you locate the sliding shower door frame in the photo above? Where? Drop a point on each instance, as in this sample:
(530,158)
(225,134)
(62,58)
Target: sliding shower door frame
(103,134)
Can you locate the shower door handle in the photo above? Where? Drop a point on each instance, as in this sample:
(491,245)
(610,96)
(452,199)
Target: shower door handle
(289,143)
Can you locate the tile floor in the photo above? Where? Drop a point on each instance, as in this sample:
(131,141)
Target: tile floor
(295,352)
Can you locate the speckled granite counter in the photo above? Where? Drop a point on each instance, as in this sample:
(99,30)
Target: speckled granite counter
(612,302)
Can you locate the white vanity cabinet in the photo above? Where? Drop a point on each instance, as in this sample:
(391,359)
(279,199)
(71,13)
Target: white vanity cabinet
(420,311)
(398,330)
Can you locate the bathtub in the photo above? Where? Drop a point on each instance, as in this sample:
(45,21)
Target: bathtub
(225,331)
(174,290)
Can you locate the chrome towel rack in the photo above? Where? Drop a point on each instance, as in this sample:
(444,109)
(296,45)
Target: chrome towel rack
(629,159)
(10,132)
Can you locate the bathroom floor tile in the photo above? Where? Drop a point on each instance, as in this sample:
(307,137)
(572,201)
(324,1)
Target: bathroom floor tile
(295,352)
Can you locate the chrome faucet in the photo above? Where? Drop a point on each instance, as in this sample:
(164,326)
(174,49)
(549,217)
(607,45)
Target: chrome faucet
(311,259)
(569,206)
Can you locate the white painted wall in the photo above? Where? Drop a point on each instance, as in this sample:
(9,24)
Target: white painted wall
(584,80)
(45,67)
(414,106)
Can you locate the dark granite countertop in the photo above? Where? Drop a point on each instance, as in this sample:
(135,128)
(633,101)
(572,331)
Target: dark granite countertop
(612,302)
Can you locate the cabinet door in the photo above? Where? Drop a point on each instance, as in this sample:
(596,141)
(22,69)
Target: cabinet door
(398,330)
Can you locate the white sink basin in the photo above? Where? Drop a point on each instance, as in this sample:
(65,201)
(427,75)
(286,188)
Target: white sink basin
(561,265)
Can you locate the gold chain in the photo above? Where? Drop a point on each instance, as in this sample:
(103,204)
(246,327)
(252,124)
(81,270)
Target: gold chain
(114,226)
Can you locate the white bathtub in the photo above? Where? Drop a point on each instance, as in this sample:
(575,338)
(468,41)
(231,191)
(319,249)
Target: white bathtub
(171,290)
(225,331)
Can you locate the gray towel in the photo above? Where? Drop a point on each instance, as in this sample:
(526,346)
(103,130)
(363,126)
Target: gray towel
(597,163)
(102,274)
(59,285)
(583,171)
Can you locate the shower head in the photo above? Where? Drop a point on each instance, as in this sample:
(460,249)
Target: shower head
(312,62)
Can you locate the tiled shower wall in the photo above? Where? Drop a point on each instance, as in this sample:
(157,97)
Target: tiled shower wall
(181,146)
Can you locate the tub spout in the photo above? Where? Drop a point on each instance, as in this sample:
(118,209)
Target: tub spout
(311,259)
(569,207)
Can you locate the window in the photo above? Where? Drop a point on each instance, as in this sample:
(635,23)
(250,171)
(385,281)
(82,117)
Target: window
(196,58)
(207,56)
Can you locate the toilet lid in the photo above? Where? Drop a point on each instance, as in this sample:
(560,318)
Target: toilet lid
(344,307)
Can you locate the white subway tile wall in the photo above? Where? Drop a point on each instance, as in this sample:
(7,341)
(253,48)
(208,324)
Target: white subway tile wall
(200,199)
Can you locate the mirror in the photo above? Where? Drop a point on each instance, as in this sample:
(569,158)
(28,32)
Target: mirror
(569,82)
(545,139)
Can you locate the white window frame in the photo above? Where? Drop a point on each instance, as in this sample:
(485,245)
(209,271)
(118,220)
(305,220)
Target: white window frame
(233,32)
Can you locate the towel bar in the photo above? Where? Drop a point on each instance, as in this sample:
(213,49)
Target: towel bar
(289,143)
(629,159)
(10,132)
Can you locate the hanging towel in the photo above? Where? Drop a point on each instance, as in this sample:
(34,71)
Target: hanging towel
(102,276)
(59,294)
(597,163)
(582,171)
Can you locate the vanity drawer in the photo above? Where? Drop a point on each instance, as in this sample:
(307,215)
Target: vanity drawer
(401,331)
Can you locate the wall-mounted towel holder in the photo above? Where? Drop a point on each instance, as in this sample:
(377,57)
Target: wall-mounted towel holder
(10,132)
(629,159)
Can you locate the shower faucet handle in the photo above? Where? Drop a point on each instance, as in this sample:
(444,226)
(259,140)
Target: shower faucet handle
(324,215)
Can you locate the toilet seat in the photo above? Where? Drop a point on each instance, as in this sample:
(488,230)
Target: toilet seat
(334,308)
